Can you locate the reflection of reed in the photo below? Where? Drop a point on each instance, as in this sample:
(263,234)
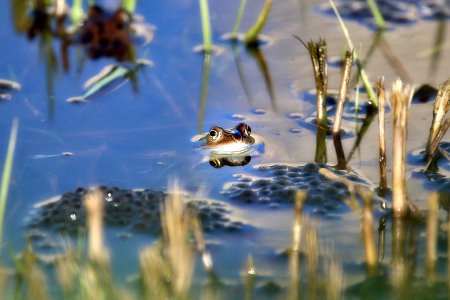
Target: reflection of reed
(241,74)
(431,239)
(257,54)
(204,90)
(294,254)
(368,234)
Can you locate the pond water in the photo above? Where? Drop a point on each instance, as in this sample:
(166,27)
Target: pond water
(141,138)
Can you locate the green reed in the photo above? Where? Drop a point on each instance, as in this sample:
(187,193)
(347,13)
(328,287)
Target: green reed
(77,13)
(206,26)
(237,21)
(129,5)
(362,72)
(376,14)
(7,170)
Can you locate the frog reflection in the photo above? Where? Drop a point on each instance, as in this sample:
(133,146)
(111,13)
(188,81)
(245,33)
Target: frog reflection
(106,34)
(231,161)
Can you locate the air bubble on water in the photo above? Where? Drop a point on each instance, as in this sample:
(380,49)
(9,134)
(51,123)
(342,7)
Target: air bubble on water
(109,197)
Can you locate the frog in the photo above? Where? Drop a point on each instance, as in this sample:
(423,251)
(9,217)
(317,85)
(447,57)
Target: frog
(220,142)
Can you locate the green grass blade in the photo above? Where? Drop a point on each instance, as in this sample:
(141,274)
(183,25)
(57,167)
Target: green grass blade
(129,5)
(376,14)
(206,26)
(77,13)
(362,72)
(237,22)
(7,170)
(252,34)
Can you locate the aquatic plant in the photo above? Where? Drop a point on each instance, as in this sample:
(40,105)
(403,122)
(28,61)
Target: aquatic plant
(340,109)
(318,54)
(129,5)
(381,136)
(439,126)
(362,72)
(400,99)
(251,37)
(376,14)
(206,26)
(237,21)
(6,175)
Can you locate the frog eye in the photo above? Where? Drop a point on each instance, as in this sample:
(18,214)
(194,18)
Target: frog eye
(214,133)
(249,130)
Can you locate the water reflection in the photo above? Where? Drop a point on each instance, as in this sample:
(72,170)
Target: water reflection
(100,32)
(231,161)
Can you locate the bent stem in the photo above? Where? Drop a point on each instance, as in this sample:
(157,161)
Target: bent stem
(7,170)
(362,72)
(339,110)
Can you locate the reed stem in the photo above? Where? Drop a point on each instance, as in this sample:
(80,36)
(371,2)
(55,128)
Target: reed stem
(362,72)
(340,109)
(206,26)
(251,37)
(376,14)
(237,21)
(381,136)
(400,99)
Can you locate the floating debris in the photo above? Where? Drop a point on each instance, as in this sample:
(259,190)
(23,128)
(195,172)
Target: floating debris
(7,87)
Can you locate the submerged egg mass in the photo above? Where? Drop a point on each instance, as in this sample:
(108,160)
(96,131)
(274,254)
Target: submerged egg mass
(273,184)
(139,210)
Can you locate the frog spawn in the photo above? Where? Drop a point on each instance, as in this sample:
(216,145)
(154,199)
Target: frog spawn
(277,184)
(137,210)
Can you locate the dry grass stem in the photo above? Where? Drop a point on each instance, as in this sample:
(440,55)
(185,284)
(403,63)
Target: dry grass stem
(340,109)
(368,234)
(343,91)
(381,135)
(431,240)
(440,109)
(94,203)
(400,99)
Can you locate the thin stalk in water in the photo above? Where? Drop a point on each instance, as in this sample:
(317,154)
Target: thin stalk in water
(206,26)
(237,21)
(251,37)
(362,72)
(376,14)
(381,137)
(340,109)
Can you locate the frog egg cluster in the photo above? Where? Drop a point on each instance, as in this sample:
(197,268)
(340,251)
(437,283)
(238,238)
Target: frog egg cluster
(138,210)
(276,184)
